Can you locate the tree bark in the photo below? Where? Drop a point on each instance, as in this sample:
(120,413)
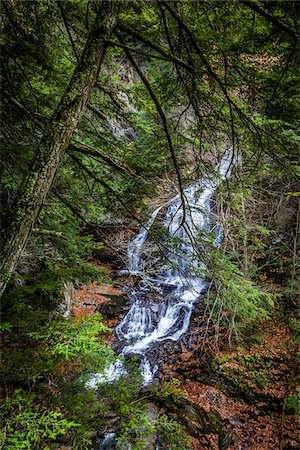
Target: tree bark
(64,121)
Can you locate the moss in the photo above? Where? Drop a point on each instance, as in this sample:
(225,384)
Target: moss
(215,420)
(292,404)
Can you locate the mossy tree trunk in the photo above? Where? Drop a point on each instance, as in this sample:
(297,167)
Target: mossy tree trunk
(38,181)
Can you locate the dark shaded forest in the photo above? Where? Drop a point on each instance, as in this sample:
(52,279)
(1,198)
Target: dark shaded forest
(150,224)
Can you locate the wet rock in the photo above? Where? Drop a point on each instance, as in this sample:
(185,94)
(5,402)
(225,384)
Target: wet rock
(106,442)
(195,418)
(154,307)
(109,257)
(113,308)
(120,273)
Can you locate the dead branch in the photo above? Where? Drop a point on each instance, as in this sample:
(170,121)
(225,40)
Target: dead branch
(89,151)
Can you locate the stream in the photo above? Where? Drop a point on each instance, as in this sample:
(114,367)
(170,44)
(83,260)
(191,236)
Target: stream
(168,268)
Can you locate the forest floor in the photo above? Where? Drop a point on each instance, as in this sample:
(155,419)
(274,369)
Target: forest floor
(249,386)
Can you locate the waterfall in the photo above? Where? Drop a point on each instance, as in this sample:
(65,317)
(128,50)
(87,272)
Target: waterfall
(178,280)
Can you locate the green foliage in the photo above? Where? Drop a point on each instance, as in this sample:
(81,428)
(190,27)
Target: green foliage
(169,389)
(123,400)
(70,339)
(5,326)
(292,404)
(35,296)
(249,373)
(237,302)
(135,431)
(173,436)
(294,325)
(57,361)
(59,348)
(27,424)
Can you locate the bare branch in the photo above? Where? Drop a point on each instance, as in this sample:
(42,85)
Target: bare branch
(97,111)
(170,58)
(59,3)
(164,122)
(50,233)
(89,151)
(77,212)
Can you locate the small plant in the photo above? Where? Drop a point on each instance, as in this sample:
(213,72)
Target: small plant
(236,302)
(68,338)
(249,373)
(136,431)
(292,404)
(171,434)
(29,425)
(170,389)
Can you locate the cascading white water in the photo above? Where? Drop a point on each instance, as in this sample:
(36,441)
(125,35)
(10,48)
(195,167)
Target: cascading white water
(147,324)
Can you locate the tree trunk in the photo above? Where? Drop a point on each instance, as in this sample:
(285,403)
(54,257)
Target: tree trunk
(38,181)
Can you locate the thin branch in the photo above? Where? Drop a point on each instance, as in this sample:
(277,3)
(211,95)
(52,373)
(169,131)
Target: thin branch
(59,3)
(164,122)
(161,245)
(89,151)
(97,111)
(289,59)
(205,62)
(111,95)
(49,233)
(270,18)
(250,124)
(154,47)
(140,52)
(92,175)
(35,116)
